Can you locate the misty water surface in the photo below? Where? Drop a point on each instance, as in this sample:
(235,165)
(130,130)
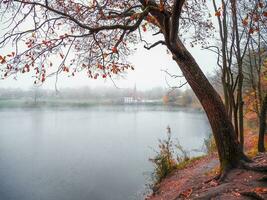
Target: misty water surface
(95,153)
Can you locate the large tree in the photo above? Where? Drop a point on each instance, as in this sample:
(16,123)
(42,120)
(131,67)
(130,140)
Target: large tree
(94,36)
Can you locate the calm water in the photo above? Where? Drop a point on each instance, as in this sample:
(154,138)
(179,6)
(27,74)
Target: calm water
(97,153)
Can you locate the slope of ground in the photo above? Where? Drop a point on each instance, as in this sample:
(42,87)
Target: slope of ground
(195,182)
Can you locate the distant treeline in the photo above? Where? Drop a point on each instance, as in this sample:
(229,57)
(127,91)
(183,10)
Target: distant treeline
(102,94)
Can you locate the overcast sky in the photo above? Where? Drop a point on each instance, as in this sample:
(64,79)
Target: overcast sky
(147,74)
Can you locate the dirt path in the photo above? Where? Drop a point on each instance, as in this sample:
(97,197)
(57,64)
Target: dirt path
(181,181)
(191,183)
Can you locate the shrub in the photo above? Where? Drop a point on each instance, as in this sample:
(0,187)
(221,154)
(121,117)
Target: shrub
(210,145)
(168,157)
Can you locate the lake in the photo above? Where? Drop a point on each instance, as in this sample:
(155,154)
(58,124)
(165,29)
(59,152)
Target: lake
(88,153)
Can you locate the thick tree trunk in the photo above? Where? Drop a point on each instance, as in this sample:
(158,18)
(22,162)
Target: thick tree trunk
(229,150)
(262,130)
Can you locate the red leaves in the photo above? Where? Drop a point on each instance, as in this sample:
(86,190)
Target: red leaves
(186,193)
(96,75)
(245,22)
(66,69)
(99,66)
(260,4)
(218,13)
(114,50)
(11,55)
(61,55)
(26,68)
(144,27)
(29,43)
(251,30)
(265,14)
(43,79)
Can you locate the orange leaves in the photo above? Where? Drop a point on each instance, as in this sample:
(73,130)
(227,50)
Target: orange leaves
(260,190)
(161,5)
(218,13)
(245,21)
(186,193)
(2,59)
(114,50)
(151,20)
(134,16)
(115,69)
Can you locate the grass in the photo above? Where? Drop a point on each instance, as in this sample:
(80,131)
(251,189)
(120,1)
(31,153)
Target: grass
(171,156)
(186,163)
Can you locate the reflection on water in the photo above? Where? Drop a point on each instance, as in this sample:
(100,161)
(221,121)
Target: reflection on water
(97,153)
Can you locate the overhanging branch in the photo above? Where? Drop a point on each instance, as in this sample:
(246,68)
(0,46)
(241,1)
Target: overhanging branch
(155,44)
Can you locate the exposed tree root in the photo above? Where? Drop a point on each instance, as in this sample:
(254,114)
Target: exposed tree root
(245,158)
(216,178)
(257,168)
(263,179)
(244,163)
(213,192)
(253,195)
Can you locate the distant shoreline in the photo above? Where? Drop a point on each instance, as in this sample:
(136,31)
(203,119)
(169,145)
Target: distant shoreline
(24,103)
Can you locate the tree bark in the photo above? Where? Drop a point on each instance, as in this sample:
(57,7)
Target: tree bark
(262,130)
(229,149)
(240,73)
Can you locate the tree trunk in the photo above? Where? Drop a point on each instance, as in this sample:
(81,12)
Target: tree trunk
(229,150)
(262,130)
(240,72)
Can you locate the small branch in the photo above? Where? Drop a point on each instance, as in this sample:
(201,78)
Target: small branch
(157,33)
(172,75)
(154,45)
(253,195)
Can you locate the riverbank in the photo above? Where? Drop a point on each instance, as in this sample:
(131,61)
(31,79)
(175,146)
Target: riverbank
(196,181)
(24,103)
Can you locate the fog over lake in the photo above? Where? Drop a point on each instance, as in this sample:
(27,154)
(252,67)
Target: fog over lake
(87,153)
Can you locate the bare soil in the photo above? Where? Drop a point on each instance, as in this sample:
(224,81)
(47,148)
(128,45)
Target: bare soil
(196,182)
